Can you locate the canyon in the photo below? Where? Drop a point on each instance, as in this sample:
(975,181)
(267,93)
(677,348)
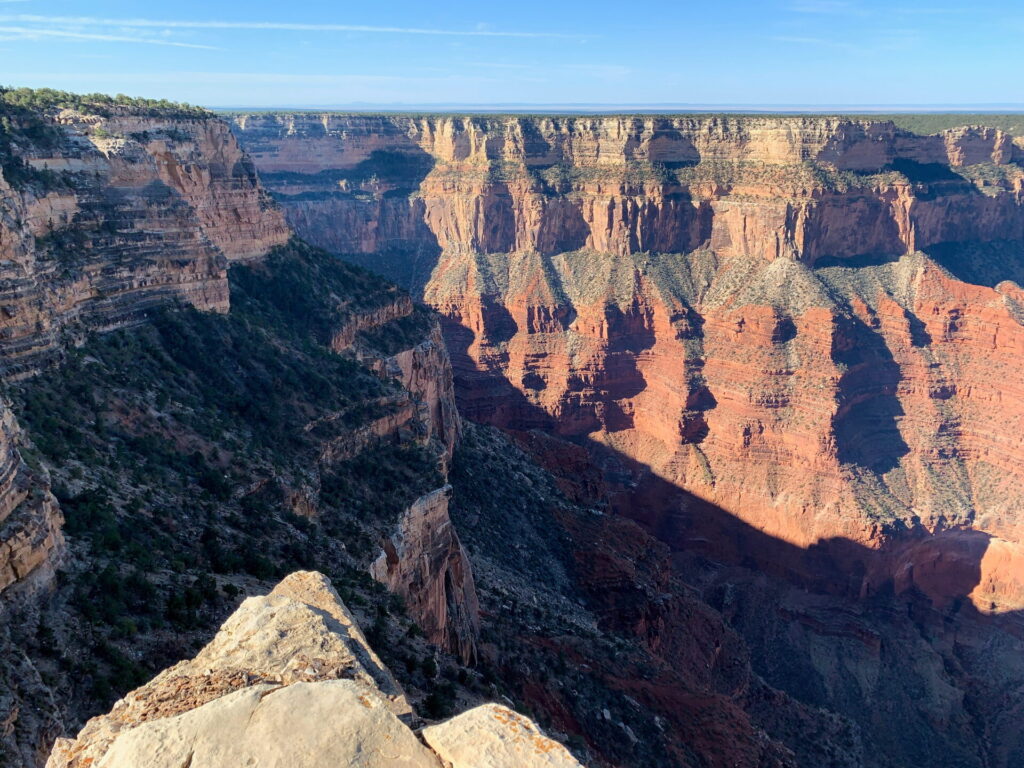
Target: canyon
(791,345)
(773,315)
(108,217)
(684,440)
(112,215)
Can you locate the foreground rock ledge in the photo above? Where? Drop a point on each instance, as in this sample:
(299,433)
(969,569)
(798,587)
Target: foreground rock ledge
(290,682)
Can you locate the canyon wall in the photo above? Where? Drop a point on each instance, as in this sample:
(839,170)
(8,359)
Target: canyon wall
(799,187)
(811,324)
(423,561)
(101,219)
(113,214)
(755,337)
(109,215)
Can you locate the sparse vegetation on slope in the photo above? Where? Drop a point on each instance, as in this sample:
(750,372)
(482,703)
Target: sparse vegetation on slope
(186,456)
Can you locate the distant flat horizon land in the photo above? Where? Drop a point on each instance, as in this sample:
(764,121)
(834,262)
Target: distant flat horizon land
(629,108)
(921,119)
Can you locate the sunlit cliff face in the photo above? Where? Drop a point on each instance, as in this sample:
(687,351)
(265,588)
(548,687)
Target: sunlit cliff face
(811,324)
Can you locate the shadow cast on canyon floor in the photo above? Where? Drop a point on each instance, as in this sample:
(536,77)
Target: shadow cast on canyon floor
(945,566)
(978,263)
(866,424)
(897,609)
(803,611)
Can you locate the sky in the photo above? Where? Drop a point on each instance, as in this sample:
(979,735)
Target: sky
(323,53)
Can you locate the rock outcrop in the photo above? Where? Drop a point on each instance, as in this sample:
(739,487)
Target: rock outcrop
(790,320)
(425,370)
(493,736)
(423,559)
(31,540)
(425,563)
(290,681)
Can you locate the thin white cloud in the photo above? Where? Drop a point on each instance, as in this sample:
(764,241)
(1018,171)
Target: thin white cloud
(849,8)
(33,33)
(264,78)
(872,44)
(821,6)
(91,21)
(818,41)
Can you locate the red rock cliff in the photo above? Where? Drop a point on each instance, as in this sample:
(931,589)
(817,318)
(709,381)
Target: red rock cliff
(765,312)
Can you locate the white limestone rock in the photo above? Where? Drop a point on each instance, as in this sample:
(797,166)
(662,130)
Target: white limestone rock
(493,736)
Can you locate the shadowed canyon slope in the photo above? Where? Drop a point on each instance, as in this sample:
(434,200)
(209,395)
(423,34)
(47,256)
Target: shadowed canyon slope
(122,220)
(814,324)
(103,218)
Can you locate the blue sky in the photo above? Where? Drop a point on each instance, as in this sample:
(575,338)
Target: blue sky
(321,53)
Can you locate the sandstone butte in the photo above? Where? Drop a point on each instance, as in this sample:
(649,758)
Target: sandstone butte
(290,682)
(795,341)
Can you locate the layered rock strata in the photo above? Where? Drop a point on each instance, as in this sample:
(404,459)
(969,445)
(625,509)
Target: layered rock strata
(290,681)
(800,187)
(118,213)
(794,321)
(423,560)
(114,215)
(31,540)
(105,218)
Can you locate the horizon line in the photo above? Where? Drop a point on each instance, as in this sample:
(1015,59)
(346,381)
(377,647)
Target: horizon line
(362,106)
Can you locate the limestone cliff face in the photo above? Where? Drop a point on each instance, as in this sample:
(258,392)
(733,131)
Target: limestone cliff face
(424,369)
(120,213)
(290,681)
(767,314)
(773,187)
(423,561)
